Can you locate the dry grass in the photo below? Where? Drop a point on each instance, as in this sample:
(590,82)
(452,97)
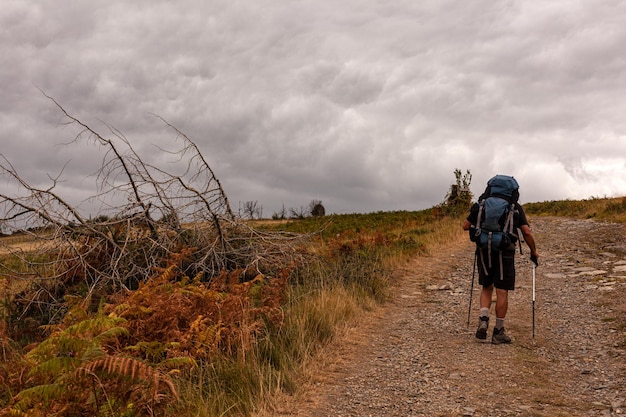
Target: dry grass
(606,209)
(10,244)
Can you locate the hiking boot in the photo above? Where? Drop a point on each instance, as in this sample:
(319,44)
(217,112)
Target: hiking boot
(483,325)
(499,336)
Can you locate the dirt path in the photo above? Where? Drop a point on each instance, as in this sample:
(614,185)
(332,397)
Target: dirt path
(418,357)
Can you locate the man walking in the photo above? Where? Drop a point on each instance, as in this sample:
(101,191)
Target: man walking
(493,223)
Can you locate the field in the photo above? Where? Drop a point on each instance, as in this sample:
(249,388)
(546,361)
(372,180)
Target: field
(181,344)
(604,209)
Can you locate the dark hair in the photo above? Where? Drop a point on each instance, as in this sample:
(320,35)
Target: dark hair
(485,193)
(515,196)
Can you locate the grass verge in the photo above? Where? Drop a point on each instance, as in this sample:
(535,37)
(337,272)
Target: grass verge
(349,273)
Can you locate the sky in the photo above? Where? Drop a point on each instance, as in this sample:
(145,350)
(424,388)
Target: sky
(365,105)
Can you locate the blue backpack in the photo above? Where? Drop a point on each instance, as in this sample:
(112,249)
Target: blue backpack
(495,229)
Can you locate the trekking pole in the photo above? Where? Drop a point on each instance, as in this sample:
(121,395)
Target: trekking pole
(535,264)
(469,311)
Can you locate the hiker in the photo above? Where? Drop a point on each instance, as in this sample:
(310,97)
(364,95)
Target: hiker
(493,224)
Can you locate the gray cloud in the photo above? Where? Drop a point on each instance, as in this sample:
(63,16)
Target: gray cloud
(364,105)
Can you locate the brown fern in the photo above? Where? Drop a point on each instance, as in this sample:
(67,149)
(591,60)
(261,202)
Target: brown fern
(133,369)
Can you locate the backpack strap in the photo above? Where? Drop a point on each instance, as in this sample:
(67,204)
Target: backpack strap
(508,228)
(481,209)
(482,261)
(508,224)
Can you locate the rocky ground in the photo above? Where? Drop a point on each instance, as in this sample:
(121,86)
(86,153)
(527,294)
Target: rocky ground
(418,357)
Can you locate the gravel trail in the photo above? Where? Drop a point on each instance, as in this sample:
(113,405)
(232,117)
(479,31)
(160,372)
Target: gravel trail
(416,356)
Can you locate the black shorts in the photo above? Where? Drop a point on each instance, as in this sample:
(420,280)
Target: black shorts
(488,276)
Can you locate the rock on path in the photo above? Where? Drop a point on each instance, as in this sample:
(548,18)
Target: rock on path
(417,356)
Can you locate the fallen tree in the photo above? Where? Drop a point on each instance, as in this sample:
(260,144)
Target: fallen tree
(150,213)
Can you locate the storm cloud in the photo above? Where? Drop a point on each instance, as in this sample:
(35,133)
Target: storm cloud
(365,105)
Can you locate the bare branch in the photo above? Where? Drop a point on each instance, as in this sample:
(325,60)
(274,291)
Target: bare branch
(164,212)
(204,167)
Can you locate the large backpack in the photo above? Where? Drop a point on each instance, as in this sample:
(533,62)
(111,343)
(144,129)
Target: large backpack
(495,229)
